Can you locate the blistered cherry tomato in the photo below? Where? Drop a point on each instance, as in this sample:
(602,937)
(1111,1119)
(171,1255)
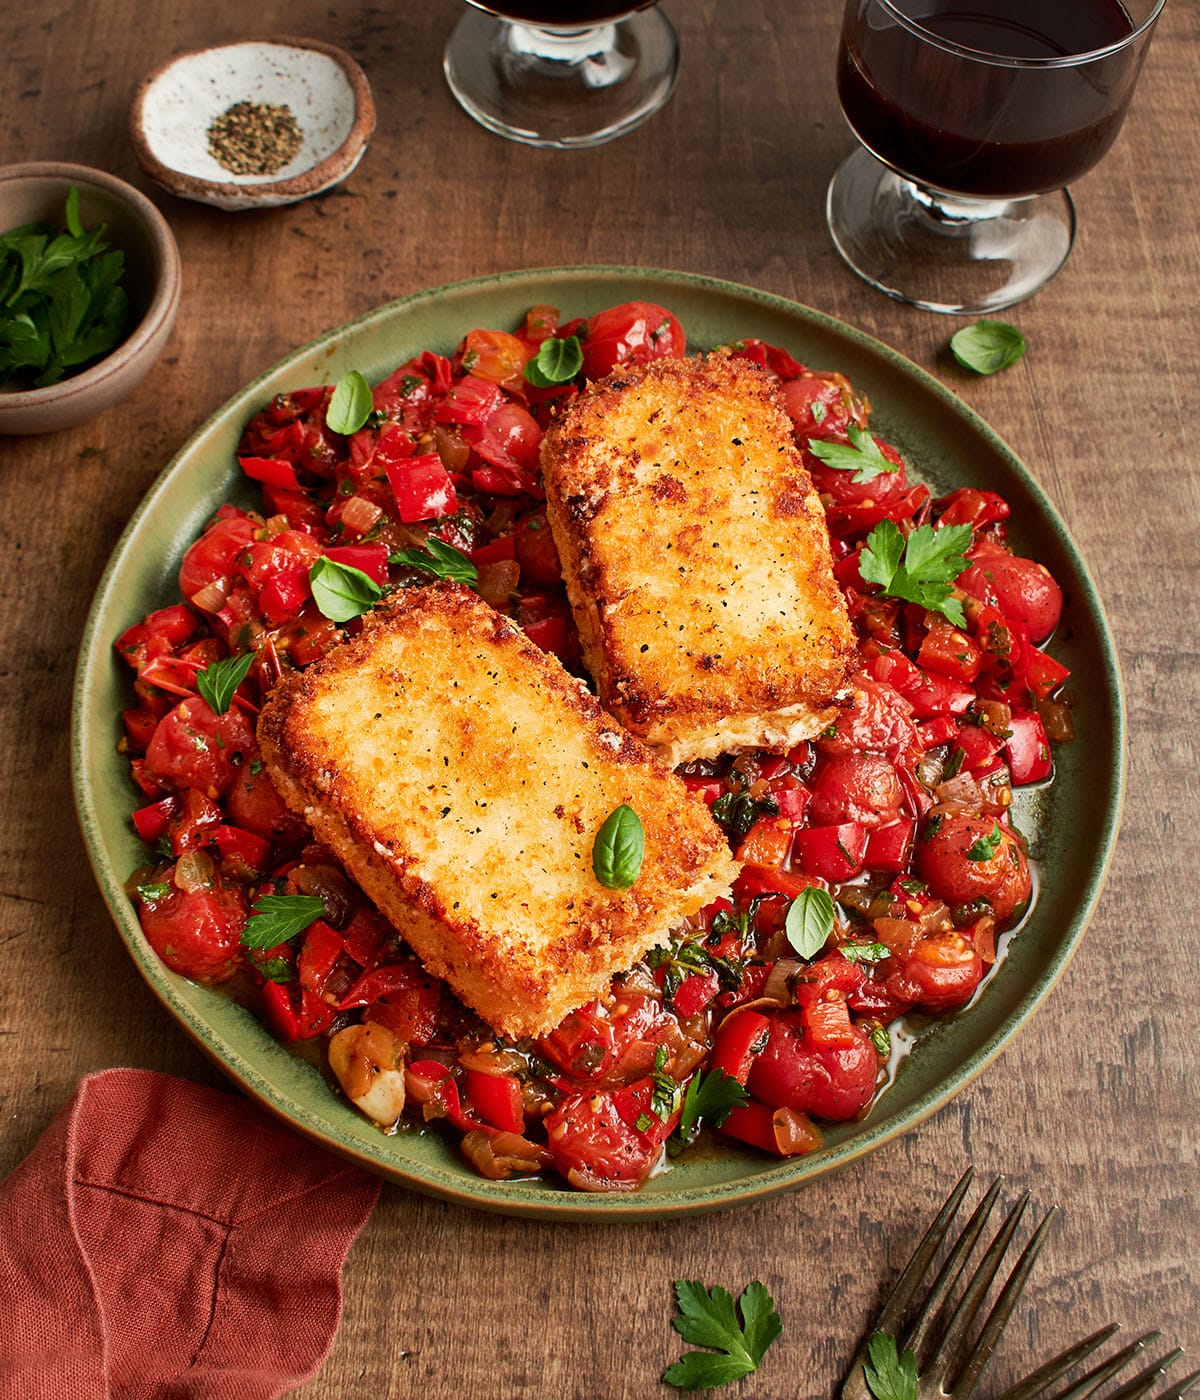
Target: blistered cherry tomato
(833,1084)
(216,553)
(1022,589)
(859,787)
(965,857)
(942,971)
(197,935)
(194,748)
(255,803)
(632,333)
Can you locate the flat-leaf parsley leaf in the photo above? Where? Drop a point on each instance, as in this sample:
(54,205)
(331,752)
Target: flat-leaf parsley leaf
(889,1375)
(921,569)
(274,918)
(710,1097)
(863,456)
(710,1319)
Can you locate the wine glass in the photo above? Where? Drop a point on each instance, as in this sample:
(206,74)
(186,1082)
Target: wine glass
(973,116)
(562,72)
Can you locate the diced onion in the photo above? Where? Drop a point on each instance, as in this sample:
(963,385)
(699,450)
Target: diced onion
(777,987)
(211,598)
(795,1133)
(499,1156)
(328,884)
(194,872)
(497,580)
(359,515)
(960,791)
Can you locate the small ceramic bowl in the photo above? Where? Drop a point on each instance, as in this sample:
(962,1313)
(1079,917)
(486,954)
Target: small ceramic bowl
(37,193)
(324,91)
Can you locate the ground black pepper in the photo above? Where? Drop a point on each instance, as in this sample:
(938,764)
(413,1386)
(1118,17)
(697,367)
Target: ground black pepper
(255,138)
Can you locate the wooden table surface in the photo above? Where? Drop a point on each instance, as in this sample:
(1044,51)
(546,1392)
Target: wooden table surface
(1094,1105)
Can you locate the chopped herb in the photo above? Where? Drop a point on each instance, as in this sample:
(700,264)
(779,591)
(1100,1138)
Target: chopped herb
(987,346)
(277,969)
(736,812)
(158,889)
(710,1319)
(643,1122)
(274,918)
(218,681)
(818,411)
(889,1375)
(556,362)
(880,1039)
(921,569)
(710,1097)
(350,406)
(666,1093)
(862,456)
(987,846)
(619,849)
(809,921)
(865,952)
(440,559)
(341,591)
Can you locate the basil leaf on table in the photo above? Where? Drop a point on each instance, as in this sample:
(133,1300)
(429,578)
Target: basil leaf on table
(987,346)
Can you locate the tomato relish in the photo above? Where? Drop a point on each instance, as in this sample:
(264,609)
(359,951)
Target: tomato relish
(879,861)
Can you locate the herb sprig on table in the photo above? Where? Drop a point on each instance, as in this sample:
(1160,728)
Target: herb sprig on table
(62,305)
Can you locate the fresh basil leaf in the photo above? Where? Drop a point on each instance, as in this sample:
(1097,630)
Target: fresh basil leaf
(619,849)
(987,846)
(863,456)
(556,362)
(987,346)
(889,1375)
(341,591)
(350,406)
(218,682)
(274,918)
(440,559)
(809,921)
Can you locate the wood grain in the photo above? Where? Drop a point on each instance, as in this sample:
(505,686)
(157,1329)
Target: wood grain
(1094,1105)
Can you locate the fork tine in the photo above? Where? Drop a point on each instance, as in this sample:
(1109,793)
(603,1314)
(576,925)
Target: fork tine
(1145,1381)
(1095,1378)
(905,1289)
(1181,1388)
(989,1336)
(1035,1386)
(956,1262)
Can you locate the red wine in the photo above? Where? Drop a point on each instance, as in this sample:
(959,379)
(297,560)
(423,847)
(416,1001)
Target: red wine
(977,123)
(566,14)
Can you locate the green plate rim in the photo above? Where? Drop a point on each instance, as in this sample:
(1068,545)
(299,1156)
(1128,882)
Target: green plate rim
(453,1180)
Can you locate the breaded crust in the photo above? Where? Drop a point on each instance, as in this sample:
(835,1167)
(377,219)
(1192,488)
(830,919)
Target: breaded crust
(461,775)
(697,558)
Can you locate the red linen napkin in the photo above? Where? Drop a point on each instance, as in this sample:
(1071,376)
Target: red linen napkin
(169,1240)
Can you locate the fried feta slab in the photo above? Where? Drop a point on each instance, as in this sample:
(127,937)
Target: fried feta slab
(461,775)
(697,558)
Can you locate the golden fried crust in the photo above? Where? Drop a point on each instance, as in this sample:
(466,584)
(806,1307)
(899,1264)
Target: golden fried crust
(461,775)
(696,558)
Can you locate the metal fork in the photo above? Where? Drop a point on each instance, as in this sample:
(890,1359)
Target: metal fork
(950,1360)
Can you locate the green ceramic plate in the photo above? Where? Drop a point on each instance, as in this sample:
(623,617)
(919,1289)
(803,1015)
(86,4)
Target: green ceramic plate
(1072,825)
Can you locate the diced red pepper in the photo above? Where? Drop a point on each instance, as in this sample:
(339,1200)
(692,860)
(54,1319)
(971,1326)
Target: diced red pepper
(768,842)
(752,1123)
(1029,759)
(927,692)
(793,802)
(279,1008)
(283,595)
(695,992)
(472,400)
(968,506)
(235,843)
(707,788)
(937,731)
(978,747)
(948,651)
(762,879)
(371,559)
(422,487)
(889,847)
(271,471)
(827,1021)
(505,547)
(831,853)
(740,1038)
(1045,674)
(550,634)
(164,630)
(151,822)
(497,1099)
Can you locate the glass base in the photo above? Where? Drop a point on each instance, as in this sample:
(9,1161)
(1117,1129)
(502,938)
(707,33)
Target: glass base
(942,252)
(562,87)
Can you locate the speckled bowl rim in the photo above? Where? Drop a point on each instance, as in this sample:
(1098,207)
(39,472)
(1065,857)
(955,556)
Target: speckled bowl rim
(164,303)
(334,1125)
(327,172)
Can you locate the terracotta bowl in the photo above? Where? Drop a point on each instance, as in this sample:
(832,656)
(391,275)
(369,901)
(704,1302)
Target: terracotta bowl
(323,88)
(38,192)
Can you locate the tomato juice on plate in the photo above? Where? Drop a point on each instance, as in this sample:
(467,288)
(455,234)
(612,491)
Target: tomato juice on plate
(880,866)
